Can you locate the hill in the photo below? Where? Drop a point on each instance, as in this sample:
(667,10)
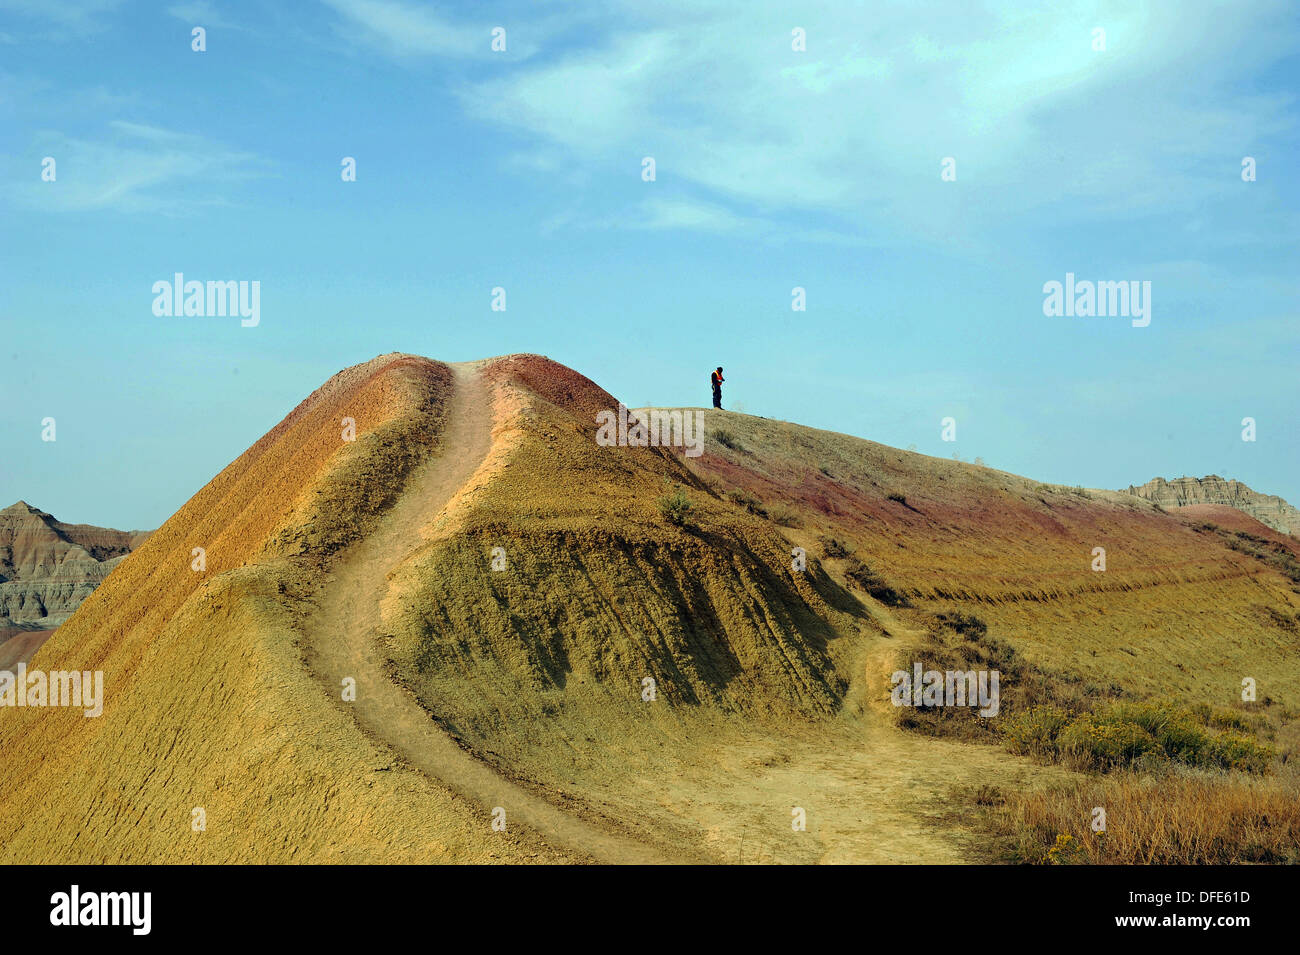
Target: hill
(615,646)
(47,567)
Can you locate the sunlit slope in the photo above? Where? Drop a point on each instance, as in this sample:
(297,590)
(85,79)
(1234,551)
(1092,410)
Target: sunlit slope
(681,683)
(208,703)
(1185,606)
(541,666)
(598,590)
(612,643)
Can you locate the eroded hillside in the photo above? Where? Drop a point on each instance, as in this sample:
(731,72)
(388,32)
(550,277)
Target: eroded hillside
(209,705)
(532,626)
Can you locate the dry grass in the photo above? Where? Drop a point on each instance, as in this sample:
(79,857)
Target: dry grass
(1188,817)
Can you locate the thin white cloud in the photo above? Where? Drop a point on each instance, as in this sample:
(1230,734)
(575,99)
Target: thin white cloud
(683,214)
(1039,122)
(688,214)
(79,16)
(136,168)
(409,29)
(200,13)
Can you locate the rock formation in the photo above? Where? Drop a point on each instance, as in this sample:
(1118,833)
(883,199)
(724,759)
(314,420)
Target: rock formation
(47,568)
(1266,508)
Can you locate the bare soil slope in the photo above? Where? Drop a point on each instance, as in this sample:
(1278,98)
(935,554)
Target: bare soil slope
(209,704)
(527,630)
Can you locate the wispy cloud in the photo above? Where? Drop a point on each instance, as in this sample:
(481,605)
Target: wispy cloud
(135,168)
(408,29)
(78,16)
(201,13)
(686,214)
(1039,122)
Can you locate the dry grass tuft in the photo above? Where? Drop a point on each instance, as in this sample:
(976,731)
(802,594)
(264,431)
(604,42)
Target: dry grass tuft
(1186,818)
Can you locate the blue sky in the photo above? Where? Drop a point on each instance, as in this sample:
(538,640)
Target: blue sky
(775,168)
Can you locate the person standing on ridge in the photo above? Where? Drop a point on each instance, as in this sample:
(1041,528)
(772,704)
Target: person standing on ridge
(716,380)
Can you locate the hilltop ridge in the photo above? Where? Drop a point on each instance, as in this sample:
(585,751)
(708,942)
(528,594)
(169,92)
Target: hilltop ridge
(634,653)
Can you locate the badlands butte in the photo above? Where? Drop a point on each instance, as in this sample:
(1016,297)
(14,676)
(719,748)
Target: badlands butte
(349,679)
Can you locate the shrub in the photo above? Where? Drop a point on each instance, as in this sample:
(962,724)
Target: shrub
(899,498)
(1184,742)
(1100,743)
(1149,735)
(748,501)
(986,795)
(1034,732)
(1235,751)
(967,624)
(1229,720)
(861,576)
(834,547)
(783,515)
(676,507)
(726,439)
(1065,851)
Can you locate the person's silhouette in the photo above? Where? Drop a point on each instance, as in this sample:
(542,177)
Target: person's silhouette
(716,380)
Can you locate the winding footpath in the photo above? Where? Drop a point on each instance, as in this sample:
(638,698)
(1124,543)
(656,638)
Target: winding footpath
(342,638)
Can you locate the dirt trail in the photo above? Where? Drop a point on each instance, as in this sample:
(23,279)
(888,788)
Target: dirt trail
(877,791)
(343,640)
(874,794)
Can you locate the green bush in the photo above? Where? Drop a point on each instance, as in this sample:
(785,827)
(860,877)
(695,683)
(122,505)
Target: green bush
(1234,751)
(1229,720)
(1184,741)
(1144,735)
(1034,732)
(1101,743)
(676,507)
